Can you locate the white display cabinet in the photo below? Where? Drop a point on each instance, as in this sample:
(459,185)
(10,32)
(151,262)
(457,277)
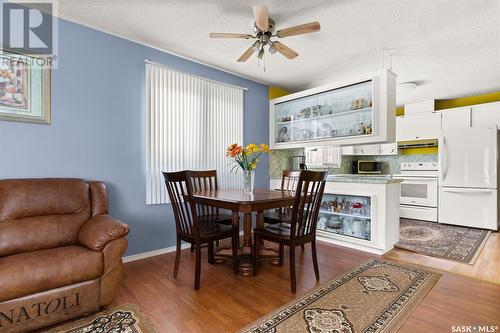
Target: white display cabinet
(360,215)
(354,112)
(346,215)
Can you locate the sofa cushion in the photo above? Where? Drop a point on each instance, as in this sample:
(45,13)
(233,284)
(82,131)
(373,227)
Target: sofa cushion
(37,214)
(27,273)
(34,197)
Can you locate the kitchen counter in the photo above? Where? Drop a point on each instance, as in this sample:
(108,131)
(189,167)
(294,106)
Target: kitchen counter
(367,179)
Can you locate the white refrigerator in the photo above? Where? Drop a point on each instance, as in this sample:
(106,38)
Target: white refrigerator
(468,177)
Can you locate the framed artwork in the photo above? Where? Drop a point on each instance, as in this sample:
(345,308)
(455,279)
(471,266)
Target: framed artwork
(24,89)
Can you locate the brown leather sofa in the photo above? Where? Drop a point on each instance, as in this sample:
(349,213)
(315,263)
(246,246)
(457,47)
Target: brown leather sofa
(60,253)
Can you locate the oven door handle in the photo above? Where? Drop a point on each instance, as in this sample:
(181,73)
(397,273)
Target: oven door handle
(425,179)
(405,206)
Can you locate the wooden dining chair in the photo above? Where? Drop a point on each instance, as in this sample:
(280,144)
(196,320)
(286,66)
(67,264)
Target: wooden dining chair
(206,180)
(190,228)
(302,230)
(289,181)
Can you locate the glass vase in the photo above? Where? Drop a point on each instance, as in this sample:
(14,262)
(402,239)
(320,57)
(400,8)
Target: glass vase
(248,180)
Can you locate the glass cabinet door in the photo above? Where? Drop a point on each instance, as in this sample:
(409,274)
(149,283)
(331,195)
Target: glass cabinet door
(342,112)
(346,215)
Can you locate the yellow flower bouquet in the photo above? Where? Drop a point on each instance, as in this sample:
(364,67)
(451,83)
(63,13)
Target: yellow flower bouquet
(246,158)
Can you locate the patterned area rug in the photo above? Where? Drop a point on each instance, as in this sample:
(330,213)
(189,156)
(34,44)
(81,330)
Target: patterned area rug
(376,296)
(122,319)
(441,240)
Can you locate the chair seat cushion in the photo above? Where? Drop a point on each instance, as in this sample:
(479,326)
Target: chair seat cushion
(31,272)
(273,217)
(211,229)
(220,218)
(275,230)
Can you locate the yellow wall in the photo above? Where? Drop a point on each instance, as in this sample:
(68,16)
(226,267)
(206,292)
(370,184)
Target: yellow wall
(275,92)
(466,101)
(441,104)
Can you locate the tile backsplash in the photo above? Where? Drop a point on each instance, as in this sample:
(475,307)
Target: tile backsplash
(282,160)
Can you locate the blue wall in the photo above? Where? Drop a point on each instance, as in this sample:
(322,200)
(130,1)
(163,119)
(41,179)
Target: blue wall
(98,121)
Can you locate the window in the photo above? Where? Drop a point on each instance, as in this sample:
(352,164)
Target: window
(190,122)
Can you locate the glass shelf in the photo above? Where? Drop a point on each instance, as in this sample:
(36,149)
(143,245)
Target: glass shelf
(342,112)
(346,215)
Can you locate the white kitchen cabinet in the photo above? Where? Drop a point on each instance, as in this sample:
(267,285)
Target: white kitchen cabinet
(455,118)
(360,215)
(486,115)
(345,113)
(331,156)
(360,150)
(347,150)
(314,156)
(322,156)
(425,126)
(370,150)
(389,149)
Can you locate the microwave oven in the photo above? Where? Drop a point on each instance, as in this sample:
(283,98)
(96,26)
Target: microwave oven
(366,167)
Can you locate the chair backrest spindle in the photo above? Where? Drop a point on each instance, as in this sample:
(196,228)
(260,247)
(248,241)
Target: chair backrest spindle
(205,180)
(289,181)
(179,189)
(310,188)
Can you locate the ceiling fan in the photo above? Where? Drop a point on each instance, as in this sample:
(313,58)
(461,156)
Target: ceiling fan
(264,31)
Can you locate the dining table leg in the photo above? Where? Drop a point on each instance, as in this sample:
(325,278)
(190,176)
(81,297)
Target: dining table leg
(266,253)
(247,230)
(235,220)
(246,257)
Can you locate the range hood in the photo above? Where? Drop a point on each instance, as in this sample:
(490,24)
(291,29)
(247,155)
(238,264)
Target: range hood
(418,144)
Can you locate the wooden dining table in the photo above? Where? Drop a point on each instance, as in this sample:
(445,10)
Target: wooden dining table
(239,202)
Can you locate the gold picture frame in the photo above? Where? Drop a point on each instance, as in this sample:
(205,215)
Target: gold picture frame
(25,88)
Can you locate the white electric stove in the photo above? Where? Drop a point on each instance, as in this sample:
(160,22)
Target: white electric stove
(419,190)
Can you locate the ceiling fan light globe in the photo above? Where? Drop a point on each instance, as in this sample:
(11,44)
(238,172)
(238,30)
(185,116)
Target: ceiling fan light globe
(261,53)
(256,45)
(272,49)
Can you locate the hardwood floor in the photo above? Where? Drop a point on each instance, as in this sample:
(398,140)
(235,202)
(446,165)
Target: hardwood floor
(227,302)
(486,267)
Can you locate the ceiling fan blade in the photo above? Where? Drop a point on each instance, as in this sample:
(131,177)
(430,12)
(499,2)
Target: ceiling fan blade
(228,35)
(261,17)
(285,50)
(299,29)
(244,57)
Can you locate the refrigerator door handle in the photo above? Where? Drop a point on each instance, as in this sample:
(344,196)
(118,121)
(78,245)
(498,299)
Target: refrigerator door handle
(442,154)
(467,190)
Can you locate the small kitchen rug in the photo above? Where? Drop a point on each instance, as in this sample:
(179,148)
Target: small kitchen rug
(121,319)
(376,296)
(444,241)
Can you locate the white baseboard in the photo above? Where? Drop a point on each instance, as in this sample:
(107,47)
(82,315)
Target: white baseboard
(153,253)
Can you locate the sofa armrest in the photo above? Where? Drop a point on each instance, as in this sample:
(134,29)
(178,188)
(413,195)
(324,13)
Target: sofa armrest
(100,230)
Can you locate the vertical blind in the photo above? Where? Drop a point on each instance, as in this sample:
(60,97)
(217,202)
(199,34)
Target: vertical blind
(190,122)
